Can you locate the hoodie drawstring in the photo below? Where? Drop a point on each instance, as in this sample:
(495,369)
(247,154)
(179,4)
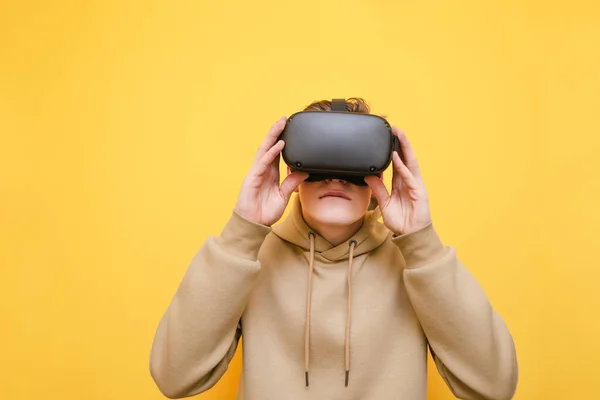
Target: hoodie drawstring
(352,244)
(311,236)
(349,310)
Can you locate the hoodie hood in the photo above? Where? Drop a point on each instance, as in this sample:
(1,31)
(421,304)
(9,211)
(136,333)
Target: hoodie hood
(294,230)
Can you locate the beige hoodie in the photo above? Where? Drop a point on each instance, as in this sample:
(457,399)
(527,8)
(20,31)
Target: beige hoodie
(305,322)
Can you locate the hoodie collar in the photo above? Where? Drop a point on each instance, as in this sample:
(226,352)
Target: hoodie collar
(294,229)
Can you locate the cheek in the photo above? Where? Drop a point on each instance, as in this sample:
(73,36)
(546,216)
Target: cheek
(307,189)
(306,193)
(364,196)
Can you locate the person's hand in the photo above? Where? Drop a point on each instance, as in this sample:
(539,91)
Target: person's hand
(262,200)
(406,209)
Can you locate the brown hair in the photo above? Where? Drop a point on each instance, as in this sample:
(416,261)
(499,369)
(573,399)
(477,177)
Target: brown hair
(353,104)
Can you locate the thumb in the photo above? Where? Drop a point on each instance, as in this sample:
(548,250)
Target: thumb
(290,184)
(379,190)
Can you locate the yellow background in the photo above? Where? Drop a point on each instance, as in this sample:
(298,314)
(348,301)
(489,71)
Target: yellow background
(128,126)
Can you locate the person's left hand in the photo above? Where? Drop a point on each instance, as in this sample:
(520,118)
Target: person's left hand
(406,209)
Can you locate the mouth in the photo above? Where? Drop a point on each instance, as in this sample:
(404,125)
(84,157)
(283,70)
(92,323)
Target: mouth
(338,194)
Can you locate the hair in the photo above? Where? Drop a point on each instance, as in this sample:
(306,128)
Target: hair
(353,104)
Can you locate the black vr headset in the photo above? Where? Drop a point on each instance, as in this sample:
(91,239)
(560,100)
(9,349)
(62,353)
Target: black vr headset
(338,144)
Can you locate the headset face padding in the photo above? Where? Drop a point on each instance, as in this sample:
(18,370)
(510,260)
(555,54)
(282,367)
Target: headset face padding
(354,179)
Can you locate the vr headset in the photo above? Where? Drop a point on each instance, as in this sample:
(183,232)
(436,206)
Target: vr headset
(338,144)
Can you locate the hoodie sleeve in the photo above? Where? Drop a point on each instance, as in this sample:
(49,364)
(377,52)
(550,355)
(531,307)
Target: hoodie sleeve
(198,335)
(471,345)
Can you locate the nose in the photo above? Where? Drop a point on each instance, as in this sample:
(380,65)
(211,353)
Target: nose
(330,180)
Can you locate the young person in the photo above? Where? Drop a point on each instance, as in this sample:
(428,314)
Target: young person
(331,302)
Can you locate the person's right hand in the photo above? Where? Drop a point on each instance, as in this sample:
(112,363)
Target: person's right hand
(262,200)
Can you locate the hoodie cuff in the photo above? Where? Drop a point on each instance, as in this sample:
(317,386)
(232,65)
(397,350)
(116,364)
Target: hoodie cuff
(420,247)
(242,237)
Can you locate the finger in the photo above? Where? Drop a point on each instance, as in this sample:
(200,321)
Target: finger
(291,182)
(402,171)
(267,159)
(407,151)
(379,190)
(271,138)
